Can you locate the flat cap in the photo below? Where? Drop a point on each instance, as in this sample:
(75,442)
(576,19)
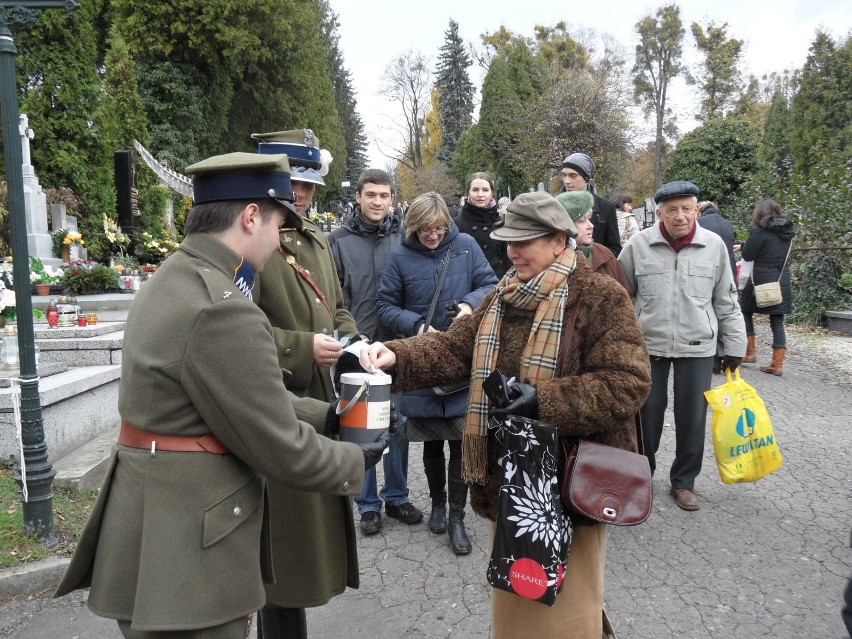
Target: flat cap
(531,215)
(242,176)
(679,188)
(576,203)
(580,162)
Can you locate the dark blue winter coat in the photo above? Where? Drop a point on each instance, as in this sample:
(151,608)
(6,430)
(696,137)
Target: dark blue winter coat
(405,295)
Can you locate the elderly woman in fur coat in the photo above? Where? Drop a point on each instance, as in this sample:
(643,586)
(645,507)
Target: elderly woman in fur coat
(519,329)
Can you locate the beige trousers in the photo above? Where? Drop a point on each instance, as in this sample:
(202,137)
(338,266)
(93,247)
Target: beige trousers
(577,613)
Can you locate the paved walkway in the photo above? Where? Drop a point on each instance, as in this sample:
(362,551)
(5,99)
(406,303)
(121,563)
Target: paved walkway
(758,560)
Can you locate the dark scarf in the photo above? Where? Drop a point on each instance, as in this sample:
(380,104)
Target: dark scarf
(363,226)
(684,241)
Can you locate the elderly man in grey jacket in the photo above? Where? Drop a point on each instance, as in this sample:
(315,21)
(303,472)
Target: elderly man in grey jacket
(684,295)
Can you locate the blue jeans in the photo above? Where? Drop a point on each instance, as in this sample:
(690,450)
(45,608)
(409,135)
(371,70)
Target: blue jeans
(395,463)
(776,323)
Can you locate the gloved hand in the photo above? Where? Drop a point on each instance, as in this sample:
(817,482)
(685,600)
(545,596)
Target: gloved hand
(373,452)
(729,362)
(332,421)
(453,310)
(394,418)
(523,402)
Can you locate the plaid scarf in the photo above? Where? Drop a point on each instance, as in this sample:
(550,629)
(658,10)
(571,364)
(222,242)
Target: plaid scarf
(545,294)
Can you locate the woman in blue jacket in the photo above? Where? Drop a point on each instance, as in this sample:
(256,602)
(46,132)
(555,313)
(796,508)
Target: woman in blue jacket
(406,293)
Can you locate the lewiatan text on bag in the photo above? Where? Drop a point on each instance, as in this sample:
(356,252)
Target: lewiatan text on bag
(745,443)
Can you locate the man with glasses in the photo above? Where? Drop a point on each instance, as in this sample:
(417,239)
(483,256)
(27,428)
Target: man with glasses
(360,248)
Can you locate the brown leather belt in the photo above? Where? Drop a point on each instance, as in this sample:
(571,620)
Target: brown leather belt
(138,438)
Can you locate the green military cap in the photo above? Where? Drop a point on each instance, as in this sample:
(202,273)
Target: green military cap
(576,203)
(242,176)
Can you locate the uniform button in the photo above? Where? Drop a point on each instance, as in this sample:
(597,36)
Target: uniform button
(484,246)
(298,242)
(346,485)
(238,512)
(325,330)
(475,228)
(287,351)
(317,300)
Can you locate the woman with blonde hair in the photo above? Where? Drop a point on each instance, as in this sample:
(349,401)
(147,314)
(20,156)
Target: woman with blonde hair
(436,277)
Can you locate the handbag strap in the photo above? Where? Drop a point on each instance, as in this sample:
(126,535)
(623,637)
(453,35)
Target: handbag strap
(783,266)
(567,336)
(434,304)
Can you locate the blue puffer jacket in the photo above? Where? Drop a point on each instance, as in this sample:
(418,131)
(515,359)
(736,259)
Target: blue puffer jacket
(405,294)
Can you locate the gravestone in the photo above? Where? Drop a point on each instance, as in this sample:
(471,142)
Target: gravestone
(39,243)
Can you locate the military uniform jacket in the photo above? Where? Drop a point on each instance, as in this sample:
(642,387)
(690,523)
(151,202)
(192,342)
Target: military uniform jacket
(314,546)
(174,540)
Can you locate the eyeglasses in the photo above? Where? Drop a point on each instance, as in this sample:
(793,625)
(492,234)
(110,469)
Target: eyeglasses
(438,230)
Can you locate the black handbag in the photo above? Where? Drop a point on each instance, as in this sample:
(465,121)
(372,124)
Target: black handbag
(451,389)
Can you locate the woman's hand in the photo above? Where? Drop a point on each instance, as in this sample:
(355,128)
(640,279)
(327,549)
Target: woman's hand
(377,356)
(523,402)
(464,309)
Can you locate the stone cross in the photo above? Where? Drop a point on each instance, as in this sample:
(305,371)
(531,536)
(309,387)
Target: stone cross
(27,134)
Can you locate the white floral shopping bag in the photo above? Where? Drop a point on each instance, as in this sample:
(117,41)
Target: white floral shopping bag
(533,534)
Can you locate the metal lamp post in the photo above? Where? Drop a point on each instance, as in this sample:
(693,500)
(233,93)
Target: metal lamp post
(38,476)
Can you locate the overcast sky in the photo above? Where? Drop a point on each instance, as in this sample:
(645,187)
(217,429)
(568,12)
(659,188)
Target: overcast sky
(372,32)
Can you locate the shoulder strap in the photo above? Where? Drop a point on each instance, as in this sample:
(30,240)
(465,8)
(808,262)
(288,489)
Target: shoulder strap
(434,304)
(565,347)
(783,266)
(291,260)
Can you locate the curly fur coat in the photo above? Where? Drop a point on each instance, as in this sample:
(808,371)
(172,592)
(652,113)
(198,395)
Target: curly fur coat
(606,378)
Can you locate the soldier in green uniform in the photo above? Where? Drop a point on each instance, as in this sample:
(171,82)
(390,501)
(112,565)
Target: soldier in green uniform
(313,535)
(178,541)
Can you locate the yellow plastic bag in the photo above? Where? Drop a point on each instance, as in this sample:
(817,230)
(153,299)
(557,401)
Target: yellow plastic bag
(746,448)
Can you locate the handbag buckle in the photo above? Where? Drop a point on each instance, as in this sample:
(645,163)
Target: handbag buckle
(609,512)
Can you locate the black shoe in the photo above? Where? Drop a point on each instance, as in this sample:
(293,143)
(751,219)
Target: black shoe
(407,513)
(371,522)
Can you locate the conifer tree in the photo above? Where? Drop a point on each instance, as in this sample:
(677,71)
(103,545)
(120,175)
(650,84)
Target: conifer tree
(455,101)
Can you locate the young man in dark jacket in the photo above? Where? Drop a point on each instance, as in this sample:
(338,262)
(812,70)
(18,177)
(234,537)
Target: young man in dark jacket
(360,248)
(577,171)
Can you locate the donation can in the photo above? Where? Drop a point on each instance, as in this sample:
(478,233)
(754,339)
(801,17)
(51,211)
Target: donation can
(365,406)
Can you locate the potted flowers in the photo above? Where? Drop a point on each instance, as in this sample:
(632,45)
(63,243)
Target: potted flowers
(43,277)
(63,240)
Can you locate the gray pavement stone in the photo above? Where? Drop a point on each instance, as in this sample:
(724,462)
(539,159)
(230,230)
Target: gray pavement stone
(768,559)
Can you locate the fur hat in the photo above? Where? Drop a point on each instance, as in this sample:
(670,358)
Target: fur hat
(577,203)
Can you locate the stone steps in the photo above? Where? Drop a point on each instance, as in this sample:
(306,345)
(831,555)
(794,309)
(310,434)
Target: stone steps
(80,370)
(94,345)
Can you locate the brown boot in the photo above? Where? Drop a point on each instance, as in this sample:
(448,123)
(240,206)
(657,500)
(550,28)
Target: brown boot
(777,361)
(751,351)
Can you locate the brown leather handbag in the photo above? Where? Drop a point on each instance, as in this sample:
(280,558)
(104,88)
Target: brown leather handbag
(606,484)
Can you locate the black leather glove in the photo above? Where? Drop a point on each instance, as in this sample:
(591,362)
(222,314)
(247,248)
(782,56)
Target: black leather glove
(394,418)
(332,421)
(729,362)
(453,310)
(373,452)
(523,402)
